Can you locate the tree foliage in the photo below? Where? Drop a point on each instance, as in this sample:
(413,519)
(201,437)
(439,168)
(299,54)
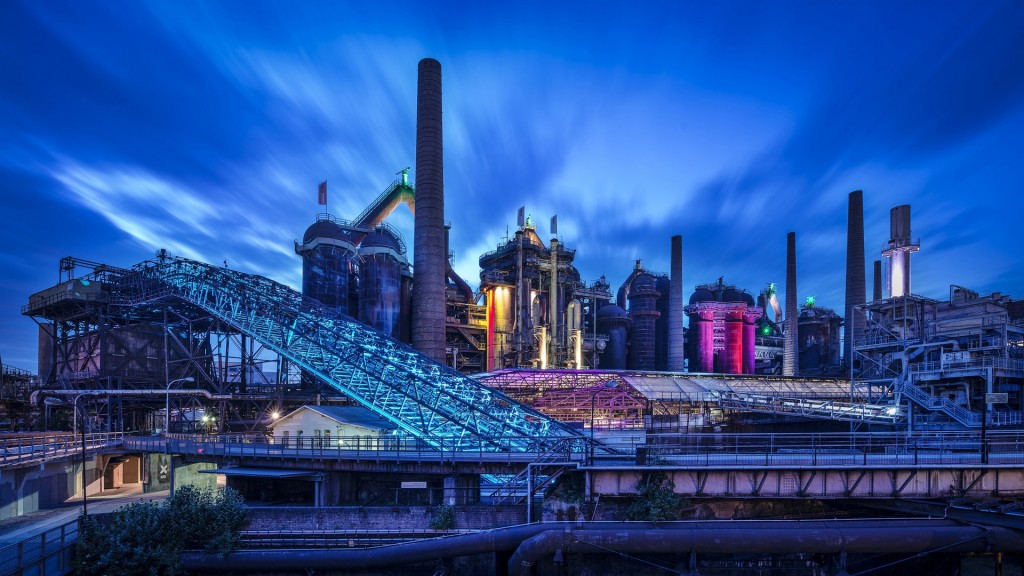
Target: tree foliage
(444,517)
(148,537)
(656,500)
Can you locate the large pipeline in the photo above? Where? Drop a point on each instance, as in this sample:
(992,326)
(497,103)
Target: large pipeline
(532,542)
(736,537)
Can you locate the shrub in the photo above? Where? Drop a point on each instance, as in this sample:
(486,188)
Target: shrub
(148,537)
(444,517)
(656,500)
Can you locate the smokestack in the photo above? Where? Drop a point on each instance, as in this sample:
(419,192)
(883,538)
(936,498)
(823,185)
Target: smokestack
(853,328)
(553,304)
(429,258)
(901,245)
(676,347)
(876,294)
(789,353)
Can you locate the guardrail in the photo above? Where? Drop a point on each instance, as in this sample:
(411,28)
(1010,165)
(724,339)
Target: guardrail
(28,449)
(833,449)
(360,448)
(45,554)
(691,449)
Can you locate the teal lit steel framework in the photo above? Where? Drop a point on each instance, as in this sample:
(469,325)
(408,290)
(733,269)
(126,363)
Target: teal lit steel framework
(425,399)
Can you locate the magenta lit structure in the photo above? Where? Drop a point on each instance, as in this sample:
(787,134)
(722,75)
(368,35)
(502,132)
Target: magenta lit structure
(723,323)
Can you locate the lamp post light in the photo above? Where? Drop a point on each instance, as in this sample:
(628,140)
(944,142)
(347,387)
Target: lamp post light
(167,411)
(51,401)
(85,484)
(593,408)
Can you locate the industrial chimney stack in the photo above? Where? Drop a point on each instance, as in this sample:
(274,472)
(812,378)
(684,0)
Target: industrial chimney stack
(853,327)
(429,258)
(676,348)
(789,353)
(901,245)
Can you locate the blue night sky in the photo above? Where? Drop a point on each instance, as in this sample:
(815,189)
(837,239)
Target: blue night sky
(204,128)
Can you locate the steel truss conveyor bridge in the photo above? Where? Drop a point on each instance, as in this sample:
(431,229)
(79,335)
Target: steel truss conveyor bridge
(425,399)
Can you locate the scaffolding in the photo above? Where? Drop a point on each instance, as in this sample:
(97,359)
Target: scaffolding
(948,364)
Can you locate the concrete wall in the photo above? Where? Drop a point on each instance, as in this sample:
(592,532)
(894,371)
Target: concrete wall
(280,518)
(189,474)
(34,488)
(161,470)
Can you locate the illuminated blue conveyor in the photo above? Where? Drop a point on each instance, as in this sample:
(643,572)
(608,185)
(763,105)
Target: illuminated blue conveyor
(427,400)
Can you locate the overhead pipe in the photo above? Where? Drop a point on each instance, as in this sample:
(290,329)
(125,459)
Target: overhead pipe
(450,272)
(620,296)
(715,536)
(33,397)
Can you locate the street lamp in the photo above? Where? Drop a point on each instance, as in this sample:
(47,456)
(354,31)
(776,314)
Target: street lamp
(167,412)
(85,484)
(51,401)
(593,408)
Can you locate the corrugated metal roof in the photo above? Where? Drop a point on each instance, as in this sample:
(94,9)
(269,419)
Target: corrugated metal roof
(707,386)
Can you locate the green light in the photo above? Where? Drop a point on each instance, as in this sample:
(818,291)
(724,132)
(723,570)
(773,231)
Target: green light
(809,302)
(766,330)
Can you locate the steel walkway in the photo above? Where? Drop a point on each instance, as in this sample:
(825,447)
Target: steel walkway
(425,399)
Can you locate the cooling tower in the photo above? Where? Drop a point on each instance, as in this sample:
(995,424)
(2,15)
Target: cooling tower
(676,346)
(429,259)
(853,327)
(789,355)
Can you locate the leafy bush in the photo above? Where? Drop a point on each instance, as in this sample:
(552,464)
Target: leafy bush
(656,500)
(569,488)
(148,537)
(444,517)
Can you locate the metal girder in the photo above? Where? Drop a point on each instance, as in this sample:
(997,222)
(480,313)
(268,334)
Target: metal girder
(425,399)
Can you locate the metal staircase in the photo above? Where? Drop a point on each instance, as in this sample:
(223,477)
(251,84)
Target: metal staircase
(925,400)
(429,401)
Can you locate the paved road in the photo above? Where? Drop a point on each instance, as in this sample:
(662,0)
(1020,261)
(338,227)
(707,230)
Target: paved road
(14,530)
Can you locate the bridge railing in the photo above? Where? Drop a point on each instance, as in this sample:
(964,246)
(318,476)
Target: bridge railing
(359,448)
(47,553)
(689,449)
(839,449)
(25,449)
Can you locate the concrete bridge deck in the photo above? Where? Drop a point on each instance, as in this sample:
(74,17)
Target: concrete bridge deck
(861,465)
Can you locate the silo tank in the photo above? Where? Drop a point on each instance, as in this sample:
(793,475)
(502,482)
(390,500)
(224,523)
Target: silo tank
(380,281)
(326,251)
(643,310)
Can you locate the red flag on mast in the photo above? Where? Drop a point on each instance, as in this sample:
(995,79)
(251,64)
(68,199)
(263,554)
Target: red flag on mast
(322,193)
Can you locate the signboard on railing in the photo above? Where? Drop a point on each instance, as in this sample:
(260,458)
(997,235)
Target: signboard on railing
(958,357)
(997,398)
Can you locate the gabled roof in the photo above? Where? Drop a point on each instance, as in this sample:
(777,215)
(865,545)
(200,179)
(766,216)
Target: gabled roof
(352,415)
